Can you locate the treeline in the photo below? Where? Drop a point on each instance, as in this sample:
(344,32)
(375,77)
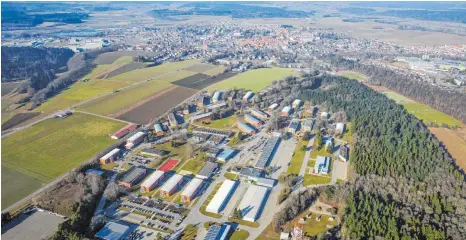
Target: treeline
(444,100)
(37,64)
(456,15)
(406,185)
(16,17)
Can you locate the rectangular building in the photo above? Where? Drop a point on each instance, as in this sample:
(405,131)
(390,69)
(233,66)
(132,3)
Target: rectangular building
(266,182)
(134,140)
(250,174)
(110,156)
(200,117)
(225,154)
(125,130)
(267,152)
(154,152)
(293,127)
(322,165)
(245,128)
(207,170)
(152,181)
(248,96)
(210,108)
(259,114)
(344,153)
(113,231)
(132,177)
(272,108)
(190,191)
(252,202)
(158,130)
(340,128)
(171,185)
(308,125)
(296,103)
(252,120)
(216,97)
(221,197)
(172,120)
(217,232)
(211,131)
(285,111)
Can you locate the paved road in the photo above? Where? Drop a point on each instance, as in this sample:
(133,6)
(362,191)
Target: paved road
(103,116)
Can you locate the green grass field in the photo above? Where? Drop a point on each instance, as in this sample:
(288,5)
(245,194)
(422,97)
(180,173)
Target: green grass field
(254,80)
(352,75)
(239,235)
(310,179)
(430,115)
(313,227)
(231,176)
(102,68)
(49,149)
(224,123)
(400,99)
(193,166)
(297,159)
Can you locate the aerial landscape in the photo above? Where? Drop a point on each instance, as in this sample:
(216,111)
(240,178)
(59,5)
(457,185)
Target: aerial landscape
(233,120)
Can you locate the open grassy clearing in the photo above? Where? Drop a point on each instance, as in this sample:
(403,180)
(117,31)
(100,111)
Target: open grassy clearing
(400,99)
(244,222)
(319,152)
(314,227)
(239,235)
(231,176)
(51,148)
(16,186)
(116,101)
(254,80)
(298,158)
(193,166)
(430,115)
(311,179)
(100,69)
(352,75)
(223,123)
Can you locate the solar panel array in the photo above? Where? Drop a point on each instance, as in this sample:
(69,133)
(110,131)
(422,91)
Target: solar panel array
(213,232)
(267,152)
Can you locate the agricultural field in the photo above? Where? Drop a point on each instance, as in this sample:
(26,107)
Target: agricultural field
(352,75)
(8,87)
(298,158)
(215,71)
(429,115)
(102,69)
(200,67)
(157,106)
(111,57)
(202,81)
(254,80)
(16,186)
(400,99)
(454,141)
(125,68)
(18,119)
(33,152)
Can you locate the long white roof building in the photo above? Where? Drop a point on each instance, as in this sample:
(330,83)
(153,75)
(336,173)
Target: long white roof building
(223,193)
(252,202)
(110,154)
(192,187)
(153,178)
(172,183)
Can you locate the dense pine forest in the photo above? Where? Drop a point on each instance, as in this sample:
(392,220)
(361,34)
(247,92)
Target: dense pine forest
(406,184)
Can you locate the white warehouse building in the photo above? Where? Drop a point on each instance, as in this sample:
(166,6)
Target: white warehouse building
(252,203)
(152,181)
(221,197)
(134,140)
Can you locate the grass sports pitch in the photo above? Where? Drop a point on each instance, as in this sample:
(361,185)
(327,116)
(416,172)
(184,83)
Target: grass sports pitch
(49,149)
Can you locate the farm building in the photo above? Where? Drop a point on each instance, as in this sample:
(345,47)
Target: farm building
(200,117)
(131,178)
(248,96)
(154,152)
(172,119)
(285,111)
(134,140)
(190,191)
(225,154)
(207,170)
(110,156)
(217,232)
(322,165)
(221,197)
(293,127)
(190,108)
(216,97)
(252,203)
(267,152)
(266,182)
(296,103)
(272,108)
(308,125)
(250,174)
(344,153)
(113,231)
(170,186)
(252,120)
(210,108)
(259,114)
(245,128)
(152,181)
(324,115)
(122,132)
(340,128)
(214,132)
(158,130)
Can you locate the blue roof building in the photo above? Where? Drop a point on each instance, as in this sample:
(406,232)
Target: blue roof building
(225,154)
(217,232)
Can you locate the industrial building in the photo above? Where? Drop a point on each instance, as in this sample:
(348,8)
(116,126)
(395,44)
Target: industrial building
(293,127)
(221,197)
(267,152)
(190,191)
(250,174)
(344,153)
(134,140)
(158,130)
(272,108)
(252,202)
(207,170)
(172,120)
(110,156)
(122,132)
(218,232)
(210,108)
(225,154)
(200,117)
(113,231)
(308,125)
(132,177)
(259,114)
(248,96)
(285,111)
(152,152)
(322,165)
(252,120)
(296,103)
(210,131)
(171,185)
(216,97)
(340,128)
(152,181)
(266,182)
(245,128)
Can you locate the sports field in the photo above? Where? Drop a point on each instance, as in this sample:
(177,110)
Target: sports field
(49,149)
(254,80)
(352,75)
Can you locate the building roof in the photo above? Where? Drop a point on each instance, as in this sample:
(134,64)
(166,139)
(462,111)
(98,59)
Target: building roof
(294,125)
(245,127)
(252,202)
(251,118)
(217,232)
(273,106)
(212,132)
(199,116)
(223,192)
(322,164)
(155,152)
(216,95)
(226,154)
(309,123)
(113,231)
(267,152)
(248,95)
(267,182)
(158,127)
(286,109)
(218,105)
(110,154)
(136,136)
(192,186)
(154,177)
(171,183)
(207,169)
(250,172)
(340,127)
(296,102)
(133,175)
